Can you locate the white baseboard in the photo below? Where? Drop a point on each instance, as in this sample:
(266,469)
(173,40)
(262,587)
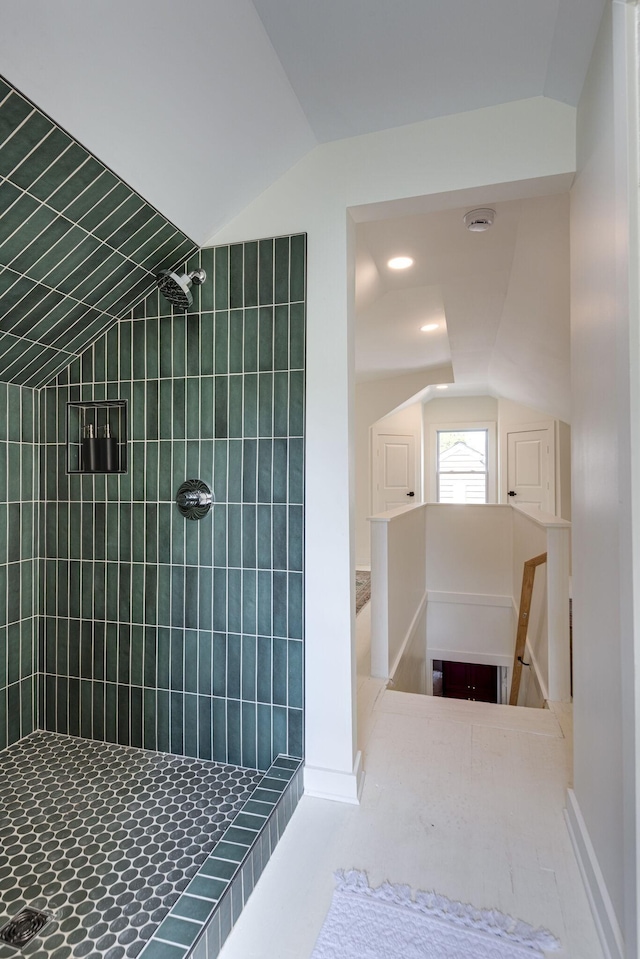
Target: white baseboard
(601,906)
(333,784)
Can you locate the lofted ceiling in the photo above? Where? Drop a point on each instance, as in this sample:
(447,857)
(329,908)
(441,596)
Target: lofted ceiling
(200,105)
(500,298)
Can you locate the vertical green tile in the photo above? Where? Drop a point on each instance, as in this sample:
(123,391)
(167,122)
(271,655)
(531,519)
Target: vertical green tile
(282,270)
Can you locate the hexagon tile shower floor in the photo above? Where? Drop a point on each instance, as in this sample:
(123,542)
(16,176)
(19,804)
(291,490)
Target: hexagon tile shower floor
(106,838)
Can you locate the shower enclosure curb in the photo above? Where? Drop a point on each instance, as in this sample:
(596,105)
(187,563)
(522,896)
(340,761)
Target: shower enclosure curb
(204,915)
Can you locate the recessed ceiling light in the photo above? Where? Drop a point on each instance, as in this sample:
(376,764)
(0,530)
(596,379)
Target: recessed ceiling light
(428,327)
(442,386)
(400,262)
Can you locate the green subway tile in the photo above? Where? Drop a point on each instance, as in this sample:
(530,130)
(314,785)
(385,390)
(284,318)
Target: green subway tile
(279,537)
(177,723)
(265,602)
(50,232)
(97,201)
(296,400)
(193,345)
(281,338)
(295,674)
(280,452)
(234,752)
(192,408)
(64,166)
(221,348)
(281,291)
(190,725)
(281,404)
(249,471)
(145,245)
(42,157)
(221,411)
(295,732)
(206,290)
(179,346)
(297,335)
(15,243)
(265,266)
(298,267)
(86,174)
(279,740)
(234,600)
(162,720)
(249,743)
(190,907)
(296,470)
(234,535)
(125,338)
(106,228)
(250,360)
(250,274)
(236,284)
(265,404)
(235,420)
(236,341)
(13,112)
(221,278)
(296,538)
(250,405)
(295,606)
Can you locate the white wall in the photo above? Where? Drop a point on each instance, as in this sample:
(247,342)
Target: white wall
(603,806)
(519,141)
(398,585)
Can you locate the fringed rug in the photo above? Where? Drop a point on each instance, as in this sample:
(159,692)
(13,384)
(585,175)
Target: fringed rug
(391,923)
(363,588)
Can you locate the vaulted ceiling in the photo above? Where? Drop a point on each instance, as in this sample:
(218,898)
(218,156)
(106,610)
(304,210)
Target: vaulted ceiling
(199,105)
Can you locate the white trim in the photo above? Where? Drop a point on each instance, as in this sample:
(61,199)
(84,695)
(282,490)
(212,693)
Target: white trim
(334,784)
(533,662)
(469,599)
(604,915)
(492,461)
(422,605)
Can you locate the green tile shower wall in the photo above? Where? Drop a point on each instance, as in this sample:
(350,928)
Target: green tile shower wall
(19,505)
(78,247)
(158,631)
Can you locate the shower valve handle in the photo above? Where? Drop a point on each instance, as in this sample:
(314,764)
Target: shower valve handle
(194,499)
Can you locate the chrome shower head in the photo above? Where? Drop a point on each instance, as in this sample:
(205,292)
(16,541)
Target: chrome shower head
(177,289)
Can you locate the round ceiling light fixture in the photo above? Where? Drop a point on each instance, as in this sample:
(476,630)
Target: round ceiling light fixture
(429,327)
(442,386)
(400,262)
(477,221)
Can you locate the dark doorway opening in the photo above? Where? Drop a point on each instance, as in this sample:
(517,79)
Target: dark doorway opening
(475,681)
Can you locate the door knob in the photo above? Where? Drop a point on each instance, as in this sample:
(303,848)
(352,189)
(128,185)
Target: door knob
(512,492)
(411,493)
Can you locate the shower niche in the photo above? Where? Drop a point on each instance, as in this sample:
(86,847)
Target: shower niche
(97,436)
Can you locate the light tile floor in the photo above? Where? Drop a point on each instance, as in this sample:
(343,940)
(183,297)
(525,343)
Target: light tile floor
(464,798)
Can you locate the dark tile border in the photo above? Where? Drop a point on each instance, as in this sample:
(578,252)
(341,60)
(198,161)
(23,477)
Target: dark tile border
(207,910)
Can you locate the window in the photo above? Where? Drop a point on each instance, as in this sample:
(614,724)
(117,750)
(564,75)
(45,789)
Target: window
(462,460)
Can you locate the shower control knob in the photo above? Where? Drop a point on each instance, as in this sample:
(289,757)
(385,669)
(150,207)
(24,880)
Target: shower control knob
(194,499)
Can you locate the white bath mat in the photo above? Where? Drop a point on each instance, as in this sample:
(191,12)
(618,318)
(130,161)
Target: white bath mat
(391,923)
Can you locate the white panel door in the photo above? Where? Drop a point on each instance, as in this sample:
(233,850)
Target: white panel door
(395,471)
(531,469)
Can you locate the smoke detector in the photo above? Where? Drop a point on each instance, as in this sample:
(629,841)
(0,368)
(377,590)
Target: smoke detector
(479,220)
